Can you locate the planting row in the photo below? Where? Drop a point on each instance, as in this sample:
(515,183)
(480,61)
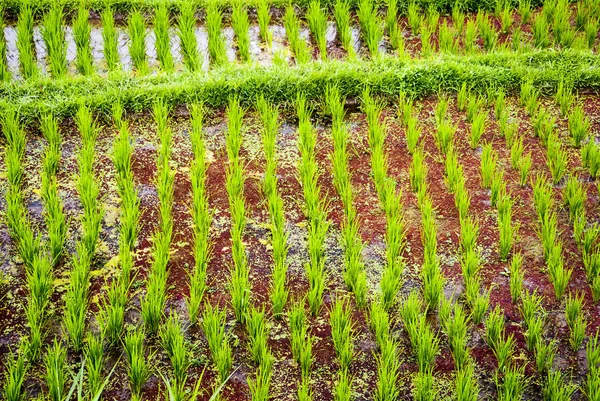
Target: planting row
(448,246)
(165,42)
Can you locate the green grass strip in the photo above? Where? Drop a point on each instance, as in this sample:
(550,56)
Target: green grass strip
(384,77)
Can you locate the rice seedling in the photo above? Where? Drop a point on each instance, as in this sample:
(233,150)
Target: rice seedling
(301,339)
(524,10)
(264,20)
(475,105)
(201,216)
(462,97)
(516,152)
(575,320)
(488,32)
(524,165)
(4,71)
(465,384)
(579,126)
(494,327)
(161,33)
(298,45)
(506,18)
(56,375)
(56,45)
(317,24)
(508,230)
(556,388)
(138,369)
(213,324)
(156,284)
(590,158)
(340,319)
(516,276)
(456,328)
(489,159)
(559,275)
(544,354)
(513,384)
(216,42)
(258,332)
(27,60)
(174,344)
(94,363)
(445,136)
(391,25)
(379,323)
(446,40)
(540,32)
(241,26)
(423,386)
(454,171)
(418,171)
(343,388)
(592,351)
(341,13)
(591,32)
(109,39)
(377,134)
(556,158)
(186,29)
(564,97)
(470,36)
(370,25)
(574,196)
(415,17)
(542,196)
(425,33)
(388,370)
(136,26)
(413,134)
(81,32)
(477,129)
(458,17)
(259,387)
(14,376)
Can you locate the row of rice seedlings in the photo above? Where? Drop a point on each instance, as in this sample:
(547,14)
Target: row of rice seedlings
(186,29)
(38,266)
(156,283)
(264,20)
(343,20)
(4,72)
(258,332)
(25,47)
(317,24)
(76,298)
(340,319)
(56,221)
(241,25)
(424,342)
(113,314)
(109,39)
(56,45)
(298,46)
(391,202)
(136,27)
(370,25)
(81,33)
(279,236)
(354,274)
(173,342)
(239,285)
(201,216)
(301,343)
(162,39)
(138,368)
(314,207)
(216,42)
